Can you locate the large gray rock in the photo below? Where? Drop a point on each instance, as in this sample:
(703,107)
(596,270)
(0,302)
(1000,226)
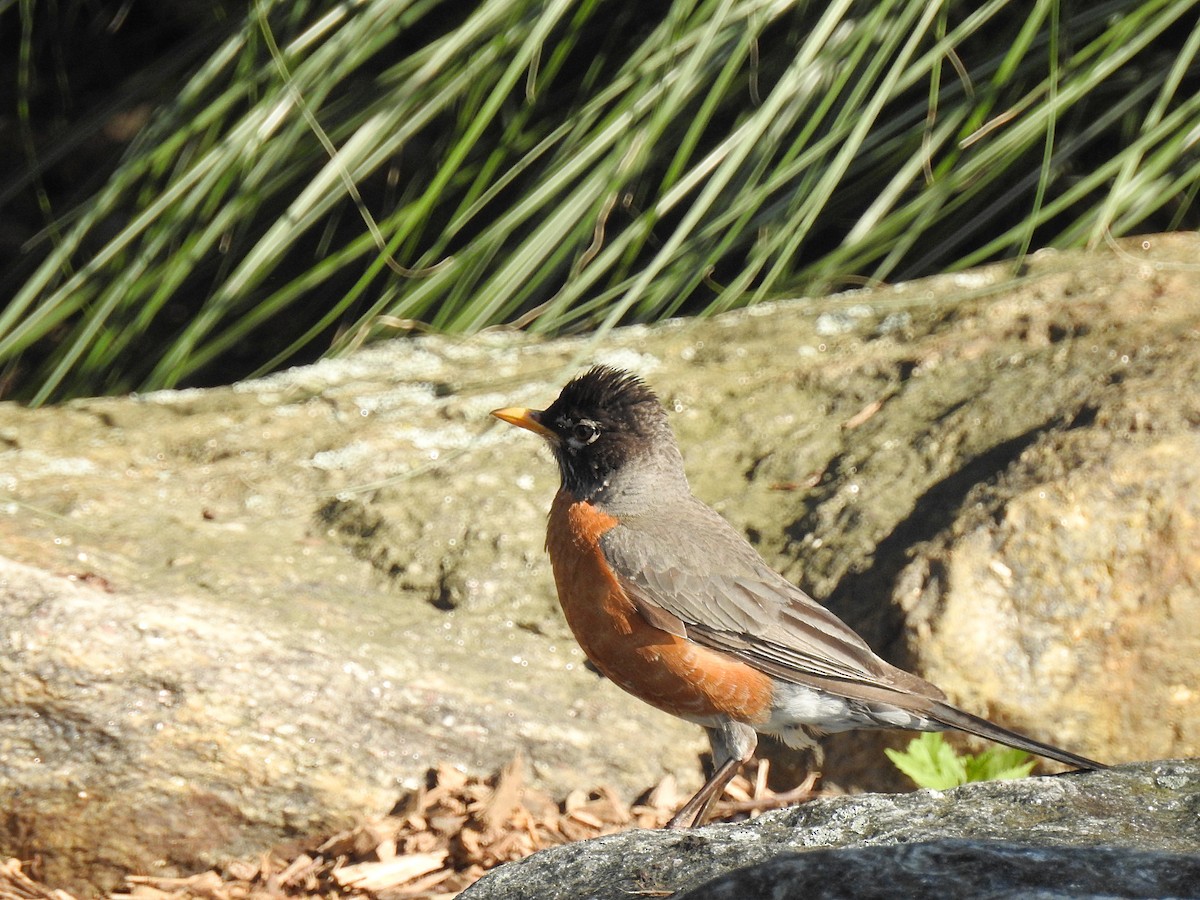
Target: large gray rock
(238,615)
(1129,832)
(961,869)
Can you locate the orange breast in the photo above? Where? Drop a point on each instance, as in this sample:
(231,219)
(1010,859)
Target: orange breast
(664,670)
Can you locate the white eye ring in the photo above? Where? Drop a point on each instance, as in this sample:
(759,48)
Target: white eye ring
(584,432)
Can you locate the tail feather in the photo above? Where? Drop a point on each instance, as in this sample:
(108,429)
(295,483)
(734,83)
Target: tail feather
(954,717)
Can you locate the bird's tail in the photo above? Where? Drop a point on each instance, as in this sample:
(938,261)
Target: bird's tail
(954,717)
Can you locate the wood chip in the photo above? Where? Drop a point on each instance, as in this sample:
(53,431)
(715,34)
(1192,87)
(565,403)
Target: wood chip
(505,797)
(15,884)
(437,841)
(665,794)
(379,876)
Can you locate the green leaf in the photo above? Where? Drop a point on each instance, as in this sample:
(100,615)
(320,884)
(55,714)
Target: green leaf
(930,762)
(998,764)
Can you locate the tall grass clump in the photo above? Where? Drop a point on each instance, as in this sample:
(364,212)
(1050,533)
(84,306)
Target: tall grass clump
(338,171)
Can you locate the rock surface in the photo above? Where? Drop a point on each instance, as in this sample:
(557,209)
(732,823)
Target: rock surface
(1128,832)
(236,615)
(962,869)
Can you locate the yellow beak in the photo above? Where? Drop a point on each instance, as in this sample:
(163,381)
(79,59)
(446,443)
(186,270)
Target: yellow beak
(527,419)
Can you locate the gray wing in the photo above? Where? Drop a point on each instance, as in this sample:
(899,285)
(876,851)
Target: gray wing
(714,589)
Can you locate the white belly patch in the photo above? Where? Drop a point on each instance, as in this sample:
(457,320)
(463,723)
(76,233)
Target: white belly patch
(795,706)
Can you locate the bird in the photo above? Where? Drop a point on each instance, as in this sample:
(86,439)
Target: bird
(673,605)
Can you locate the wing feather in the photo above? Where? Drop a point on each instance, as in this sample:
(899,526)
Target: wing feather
(718,592)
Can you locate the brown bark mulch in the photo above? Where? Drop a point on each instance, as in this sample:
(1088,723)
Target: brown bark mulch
(436,841)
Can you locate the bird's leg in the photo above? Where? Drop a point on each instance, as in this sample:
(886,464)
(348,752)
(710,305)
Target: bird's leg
(694,811)
(732,744)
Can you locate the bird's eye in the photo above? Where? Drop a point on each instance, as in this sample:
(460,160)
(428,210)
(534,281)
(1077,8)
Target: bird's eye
(584,432)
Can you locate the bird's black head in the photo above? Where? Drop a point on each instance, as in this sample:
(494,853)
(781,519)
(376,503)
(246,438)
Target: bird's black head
(601,421)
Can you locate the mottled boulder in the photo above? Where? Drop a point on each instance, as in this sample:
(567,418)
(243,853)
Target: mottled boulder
(1128,832)
(237,615)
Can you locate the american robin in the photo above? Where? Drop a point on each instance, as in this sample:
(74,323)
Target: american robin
(673,605)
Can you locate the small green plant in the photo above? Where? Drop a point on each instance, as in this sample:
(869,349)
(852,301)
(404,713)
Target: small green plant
(932,763)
